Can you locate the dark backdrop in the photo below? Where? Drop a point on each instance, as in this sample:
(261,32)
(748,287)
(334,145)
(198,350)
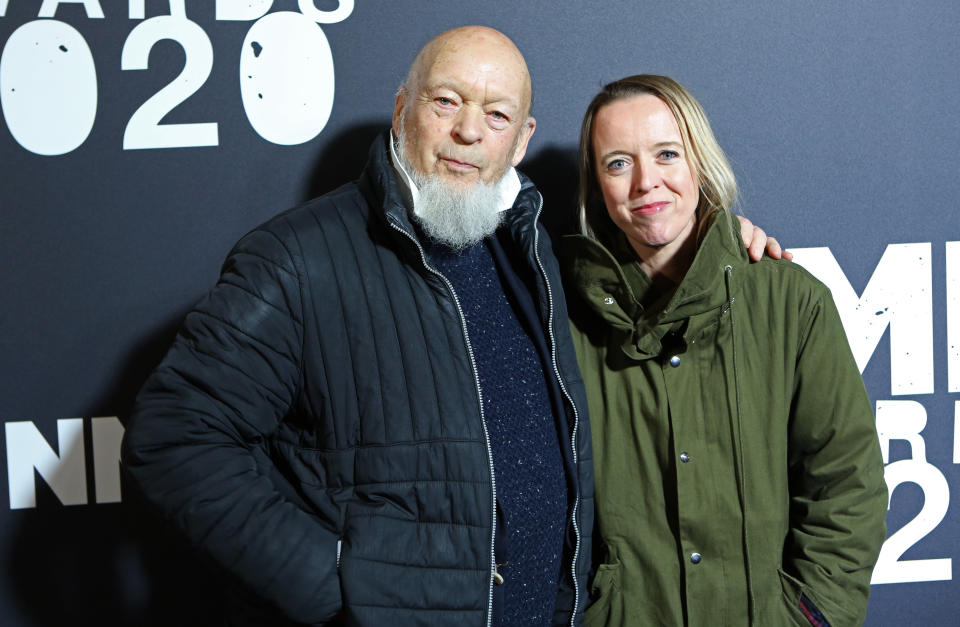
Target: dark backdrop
(838,117)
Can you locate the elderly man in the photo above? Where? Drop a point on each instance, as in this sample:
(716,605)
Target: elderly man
(376,414)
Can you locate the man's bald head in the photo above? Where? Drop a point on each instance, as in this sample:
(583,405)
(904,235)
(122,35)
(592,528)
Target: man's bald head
(466,40)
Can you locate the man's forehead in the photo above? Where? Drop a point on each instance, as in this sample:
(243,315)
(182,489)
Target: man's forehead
(495,80)
(477,62)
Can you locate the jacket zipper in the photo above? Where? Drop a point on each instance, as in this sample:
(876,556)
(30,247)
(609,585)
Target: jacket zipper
(483,420)
(576,414)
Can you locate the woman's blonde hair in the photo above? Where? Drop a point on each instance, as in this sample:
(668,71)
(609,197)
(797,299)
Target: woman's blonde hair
(718,187)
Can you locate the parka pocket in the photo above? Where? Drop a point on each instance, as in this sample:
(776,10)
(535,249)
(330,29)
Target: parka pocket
(808,609)
(790,606)
(603,611)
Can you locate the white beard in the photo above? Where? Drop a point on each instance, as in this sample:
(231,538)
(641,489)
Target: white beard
(456,216)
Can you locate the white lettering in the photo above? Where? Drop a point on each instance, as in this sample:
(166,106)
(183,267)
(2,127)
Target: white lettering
(92,7)
(137,10)
(286,78)
(898,295)
(904,420)
(901,420)
(144,129)
(342,12)
(936,500)
(242,10)
(107,434)
(953,316)
(49,96)
(3,8)
(65,473)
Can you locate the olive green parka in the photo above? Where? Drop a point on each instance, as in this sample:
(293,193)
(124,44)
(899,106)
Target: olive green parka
(738,472)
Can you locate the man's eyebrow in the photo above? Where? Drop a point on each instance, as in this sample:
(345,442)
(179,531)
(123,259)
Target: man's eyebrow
(504,99)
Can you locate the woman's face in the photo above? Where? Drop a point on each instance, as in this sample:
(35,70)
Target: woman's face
(648,186)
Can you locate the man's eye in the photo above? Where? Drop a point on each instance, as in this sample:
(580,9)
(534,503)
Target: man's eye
(497,115)
(444,101)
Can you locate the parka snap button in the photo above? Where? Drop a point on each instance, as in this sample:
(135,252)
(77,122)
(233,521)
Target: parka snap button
(695,558)
(608,300)
(684,457)
(675,361)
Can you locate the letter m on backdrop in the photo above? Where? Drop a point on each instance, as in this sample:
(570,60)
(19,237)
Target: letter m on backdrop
(898,295)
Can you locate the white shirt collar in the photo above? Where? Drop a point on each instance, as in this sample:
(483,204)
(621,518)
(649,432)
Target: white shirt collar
(509,186)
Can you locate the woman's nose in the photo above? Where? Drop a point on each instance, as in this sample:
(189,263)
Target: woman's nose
(644,178)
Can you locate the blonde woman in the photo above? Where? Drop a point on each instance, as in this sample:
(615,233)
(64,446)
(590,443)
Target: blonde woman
(738,474)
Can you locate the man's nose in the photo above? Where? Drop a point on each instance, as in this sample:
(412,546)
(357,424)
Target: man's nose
(468,128)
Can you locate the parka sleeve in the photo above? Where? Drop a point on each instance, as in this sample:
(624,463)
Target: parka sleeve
(838,497)
(194,443)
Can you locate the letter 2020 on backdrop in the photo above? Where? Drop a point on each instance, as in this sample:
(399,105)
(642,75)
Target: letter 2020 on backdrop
(140,139)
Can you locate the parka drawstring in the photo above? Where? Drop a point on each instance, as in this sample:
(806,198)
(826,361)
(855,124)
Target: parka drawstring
(728,278)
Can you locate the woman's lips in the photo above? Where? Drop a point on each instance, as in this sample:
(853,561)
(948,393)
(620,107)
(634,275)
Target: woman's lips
(651,208)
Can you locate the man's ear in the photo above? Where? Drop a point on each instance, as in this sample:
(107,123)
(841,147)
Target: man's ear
(525,134)
(398,110)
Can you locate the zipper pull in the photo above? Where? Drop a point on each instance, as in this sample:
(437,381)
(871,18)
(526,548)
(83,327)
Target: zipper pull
(497,577)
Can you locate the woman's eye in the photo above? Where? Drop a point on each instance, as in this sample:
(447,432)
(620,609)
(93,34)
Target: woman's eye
(617,164)
(669,154)
(444,101)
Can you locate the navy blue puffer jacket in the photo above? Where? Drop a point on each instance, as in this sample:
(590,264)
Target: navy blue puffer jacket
(316,426)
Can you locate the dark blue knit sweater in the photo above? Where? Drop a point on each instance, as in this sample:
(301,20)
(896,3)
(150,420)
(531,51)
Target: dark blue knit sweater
(528,464)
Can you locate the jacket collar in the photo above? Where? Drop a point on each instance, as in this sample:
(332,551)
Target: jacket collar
(379,183)
(612,284)
(386,193)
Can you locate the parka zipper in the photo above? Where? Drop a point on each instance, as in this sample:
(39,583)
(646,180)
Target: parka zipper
(483,420)
(576,414)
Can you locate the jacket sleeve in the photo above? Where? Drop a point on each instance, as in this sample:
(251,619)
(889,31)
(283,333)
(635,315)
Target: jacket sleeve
(838,498)
(194,445)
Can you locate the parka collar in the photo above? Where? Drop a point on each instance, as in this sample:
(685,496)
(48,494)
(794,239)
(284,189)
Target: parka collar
(614,286)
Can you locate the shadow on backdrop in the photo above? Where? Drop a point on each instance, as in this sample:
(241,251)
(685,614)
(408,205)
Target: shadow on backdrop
(554,170)
(107,564)
(343,158)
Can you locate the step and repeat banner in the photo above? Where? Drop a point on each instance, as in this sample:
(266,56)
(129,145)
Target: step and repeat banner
(139,140)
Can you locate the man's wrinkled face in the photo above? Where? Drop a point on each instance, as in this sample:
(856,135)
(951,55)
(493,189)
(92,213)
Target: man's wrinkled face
(465,116)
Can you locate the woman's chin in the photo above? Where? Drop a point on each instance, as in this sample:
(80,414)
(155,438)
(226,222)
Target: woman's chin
(651,241)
